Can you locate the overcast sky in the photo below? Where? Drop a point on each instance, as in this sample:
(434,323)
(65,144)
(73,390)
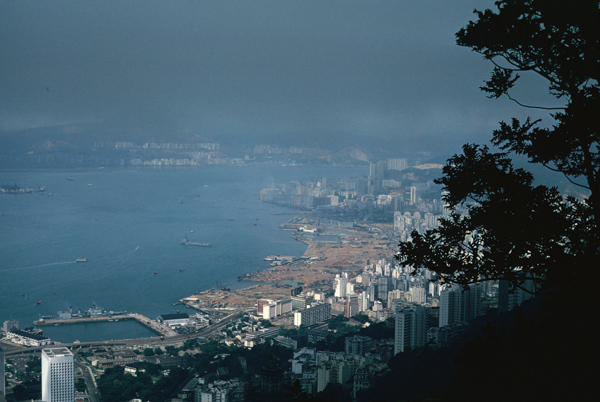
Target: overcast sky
(385,69)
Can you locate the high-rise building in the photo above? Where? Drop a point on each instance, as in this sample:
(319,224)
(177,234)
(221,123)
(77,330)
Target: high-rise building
(352,305)
(509,299)
(397,164)
(418,293)
(413,195)
(458,305)
(58,375)
(8,326)
(2,386)
(383,286)
(339,284)
(410,329)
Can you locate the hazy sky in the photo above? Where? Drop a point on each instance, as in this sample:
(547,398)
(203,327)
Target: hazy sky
(387,69)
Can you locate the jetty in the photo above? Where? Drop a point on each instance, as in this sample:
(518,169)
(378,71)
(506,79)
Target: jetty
(154,326)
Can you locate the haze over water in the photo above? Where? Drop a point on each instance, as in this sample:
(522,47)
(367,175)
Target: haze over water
(129,224)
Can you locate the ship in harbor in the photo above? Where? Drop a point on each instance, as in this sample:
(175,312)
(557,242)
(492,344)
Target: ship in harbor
(186,242)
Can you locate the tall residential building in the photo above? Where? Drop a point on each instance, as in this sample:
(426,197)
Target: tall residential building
(352,305)
(8,326)
(461,306)
(339,284)
(58,375)
(509,299)
(418,293)
(410,329)
(397,164)
(383,286)
(358,345)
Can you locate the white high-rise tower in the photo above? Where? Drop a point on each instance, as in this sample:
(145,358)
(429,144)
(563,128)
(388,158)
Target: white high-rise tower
(58,375)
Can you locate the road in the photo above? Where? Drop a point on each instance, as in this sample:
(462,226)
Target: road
(90,382)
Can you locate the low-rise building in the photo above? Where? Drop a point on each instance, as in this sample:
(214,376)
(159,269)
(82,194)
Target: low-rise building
(27,338)
(175,319)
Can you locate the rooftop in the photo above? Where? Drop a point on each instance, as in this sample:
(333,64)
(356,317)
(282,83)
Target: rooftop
(57,352)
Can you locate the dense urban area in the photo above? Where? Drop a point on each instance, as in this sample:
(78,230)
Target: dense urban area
(471,278)
(326,322)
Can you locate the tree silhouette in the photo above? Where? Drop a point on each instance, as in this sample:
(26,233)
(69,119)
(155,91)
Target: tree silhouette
(514,229)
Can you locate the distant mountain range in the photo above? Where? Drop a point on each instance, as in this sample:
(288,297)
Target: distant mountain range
(75,137)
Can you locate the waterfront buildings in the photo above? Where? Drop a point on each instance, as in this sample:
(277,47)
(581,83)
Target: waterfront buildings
(174,319)
(58,375)
(27,338)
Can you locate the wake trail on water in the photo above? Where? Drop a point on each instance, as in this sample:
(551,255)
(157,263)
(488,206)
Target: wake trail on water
(39,266)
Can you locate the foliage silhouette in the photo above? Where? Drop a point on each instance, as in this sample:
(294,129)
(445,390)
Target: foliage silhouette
(514,229)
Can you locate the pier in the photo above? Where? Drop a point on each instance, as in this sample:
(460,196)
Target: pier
(154,326)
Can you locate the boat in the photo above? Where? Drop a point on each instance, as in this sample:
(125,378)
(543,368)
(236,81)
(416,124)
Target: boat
(81,260)
(155,272)
(186,242)
(38,302)
(70,178)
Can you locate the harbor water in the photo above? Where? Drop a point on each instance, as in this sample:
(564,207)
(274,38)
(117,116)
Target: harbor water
(128,224)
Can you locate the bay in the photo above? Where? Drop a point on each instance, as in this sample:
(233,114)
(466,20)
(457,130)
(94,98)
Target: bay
(128,225)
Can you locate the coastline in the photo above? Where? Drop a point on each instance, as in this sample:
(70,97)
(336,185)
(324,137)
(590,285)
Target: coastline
(314,270)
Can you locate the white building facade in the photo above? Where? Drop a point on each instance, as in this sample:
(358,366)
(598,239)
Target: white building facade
(58,375)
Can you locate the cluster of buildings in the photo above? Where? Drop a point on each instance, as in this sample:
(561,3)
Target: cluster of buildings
(423,312)
(200,390)
(415,205)
(11,331)
(315,370)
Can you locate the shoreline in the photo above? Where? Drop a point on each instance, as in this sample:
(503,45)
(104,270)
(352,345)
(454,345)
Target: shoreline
(314,270)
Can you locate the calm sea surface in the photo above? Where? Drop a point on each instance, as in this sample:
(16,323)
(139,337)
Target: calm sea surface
(129,224)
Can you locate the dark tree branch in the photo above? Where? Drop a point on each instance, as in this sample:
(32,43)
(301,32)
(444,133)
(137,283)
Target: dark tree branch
(533,107)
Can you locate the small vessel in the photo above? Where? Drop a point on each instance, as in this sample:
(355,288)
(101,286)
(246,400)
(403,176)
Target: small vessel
(38,302)
(155,272)
(186,242)
(70,178)
(81,260)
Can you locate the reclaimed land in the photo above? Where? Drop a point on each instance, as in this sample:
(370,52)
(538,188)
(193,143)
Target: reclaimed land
(315,270)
